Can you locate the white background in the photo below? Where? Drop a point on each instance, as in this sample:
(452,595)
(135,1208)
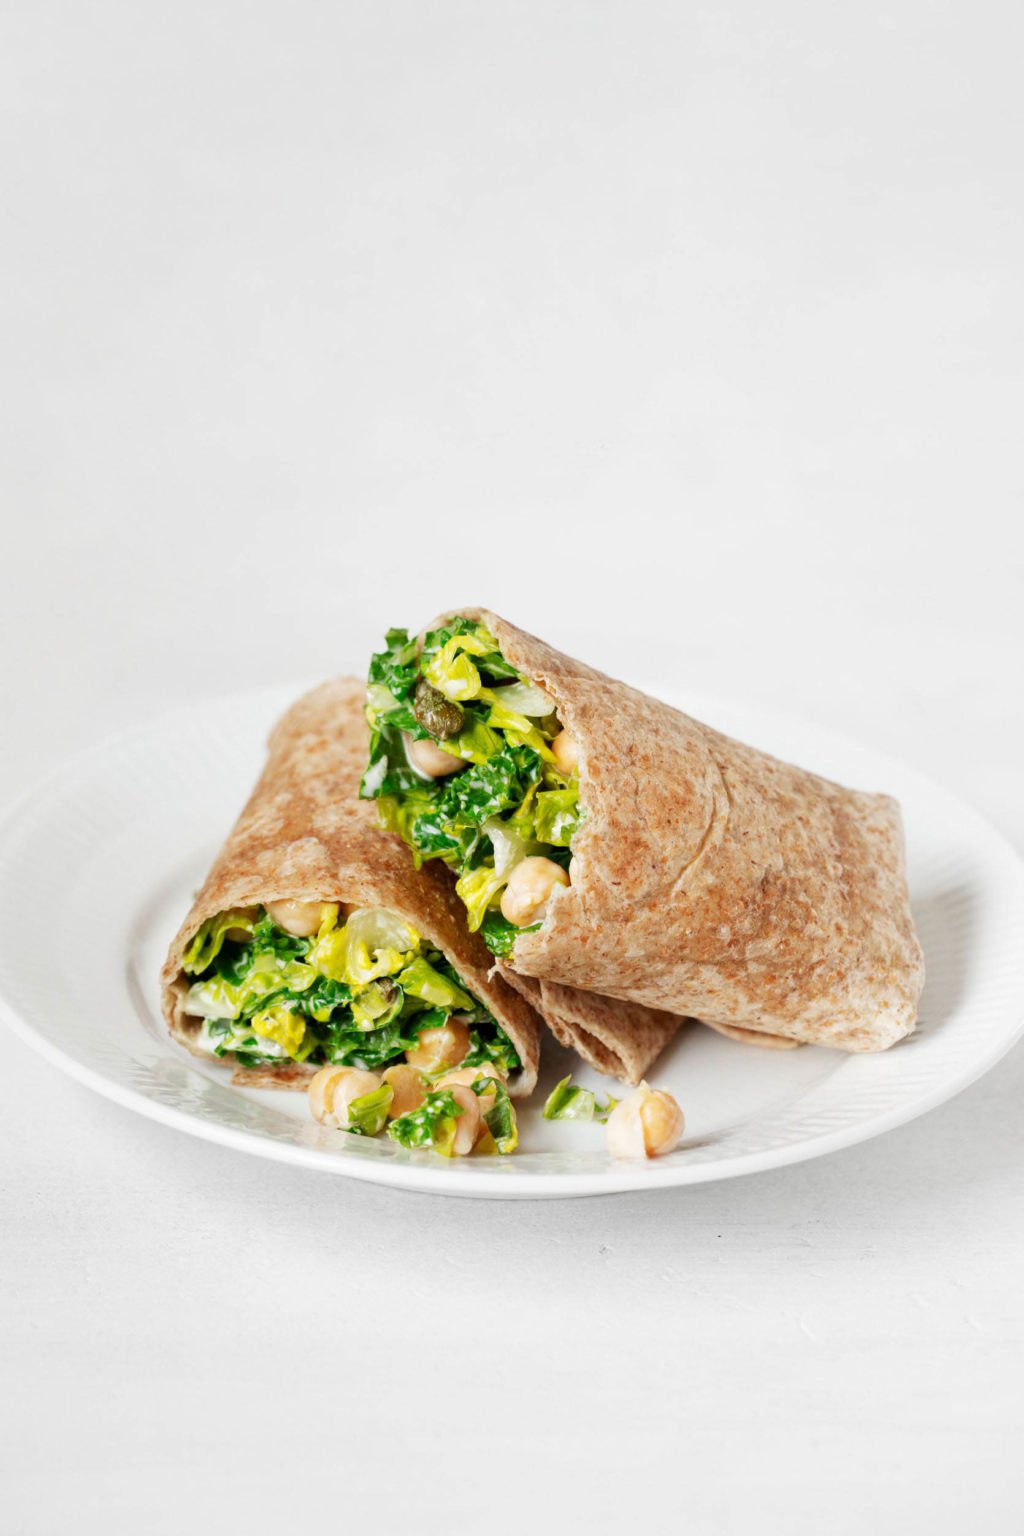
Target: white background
(689,336)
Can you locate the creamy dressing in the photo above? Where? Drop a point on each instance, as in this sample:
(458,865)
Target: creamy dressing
(236,1040)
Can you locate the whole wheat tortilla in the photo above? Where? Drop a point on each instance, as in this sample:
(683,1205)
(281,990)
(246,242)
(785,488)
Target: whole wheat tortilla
(301,839)
(711,880)
(756,1037)
(618,1038)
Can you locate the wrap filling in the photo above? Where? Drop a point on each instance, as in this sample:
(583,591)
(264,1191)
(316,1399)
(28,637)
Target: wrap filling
(469,763)
(363,990)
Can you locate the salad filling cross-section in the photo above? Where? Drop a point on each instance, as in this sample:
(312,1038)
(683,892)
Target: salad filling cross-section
(469,763)
(302,982)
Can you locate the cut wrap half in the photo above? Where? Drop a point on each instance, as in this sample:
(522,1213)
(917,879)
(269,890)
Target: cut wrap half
(313,941)
(602,839)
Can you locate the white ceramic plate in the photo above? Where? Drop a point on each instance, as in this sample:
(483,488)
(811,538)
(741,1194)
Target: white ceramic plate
(123,835)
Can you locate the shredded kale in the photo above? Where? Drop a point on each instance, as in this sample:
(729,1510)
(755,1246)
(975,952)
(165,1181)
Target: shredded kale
(269,991)
(568,1102)
(431,1125)
(459,691)
(499,934)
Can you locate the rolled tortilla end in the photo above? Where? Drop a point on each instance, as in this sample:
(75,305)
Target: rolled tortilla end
(304,836)
(710,880)
(758,1037)
(622,1040)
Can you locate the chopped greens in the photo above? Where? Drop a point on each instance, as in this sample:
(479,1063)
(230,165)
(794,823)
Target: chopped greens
(500,1119)
(358,994)
(499,934)
(509,801)
(369,1114)
(431,1125)
(208,942)
(567,1102)
(491,1049)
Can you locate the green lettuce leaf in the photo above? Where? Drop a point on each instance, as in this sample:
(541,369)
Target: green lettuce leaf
(269,939)
(324,996)
(433,837)
(486,789)
(285,1028)
(500,1119)
(557,815)
(519,731)
(500,935)
(421,980)
(478,888)
(208,941)
(345,1046)
(452,671)
(399,814)
(476,742)
(431,1125)
(234,962)
(373,943)
(492,1046)
(492,664)
(458,659)
(368,1115)
(216,998)
(397,667)
(567,1102)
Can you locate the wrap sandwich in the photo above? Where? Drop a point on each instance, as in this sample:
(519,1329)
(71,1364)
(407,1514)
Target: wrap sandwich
(601,839)
(313,942)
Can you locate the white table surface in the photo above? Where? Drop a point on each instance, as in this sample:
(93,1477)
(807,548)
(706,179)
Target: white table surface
(691,337)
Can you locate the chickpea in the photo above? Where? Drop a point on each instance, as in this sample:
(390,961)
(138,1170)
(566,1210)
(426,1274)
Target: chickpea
(408,1089)
(469,1127)
(332,1091)
(525,898)
(648,1123)
(466,1077)
(427,758)
(566,752)
(301,918)
(436,1049)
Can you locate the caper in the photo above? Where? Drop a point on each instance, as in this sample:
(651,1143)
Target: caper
(440,716)
(379,996)
(378,1003)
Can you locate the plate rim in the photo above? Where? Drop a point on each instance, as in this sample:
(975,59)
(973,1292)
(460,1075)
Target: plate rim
(506,1181)
(428,1178)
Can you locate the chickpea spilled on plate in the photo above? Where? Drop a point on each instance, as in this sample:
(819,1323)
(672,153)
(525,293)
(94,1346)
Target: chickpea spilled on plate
(647,1123)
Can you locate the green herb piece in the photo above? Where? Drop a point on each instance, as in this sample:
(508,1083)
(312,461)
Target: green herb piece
(208,941)
(558,815)
(397,667)
(285,1028)
(566,1102)
(500,1119)
(420,979)
(500,935)
(431,1125)
(495,1047)
(368,1115)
